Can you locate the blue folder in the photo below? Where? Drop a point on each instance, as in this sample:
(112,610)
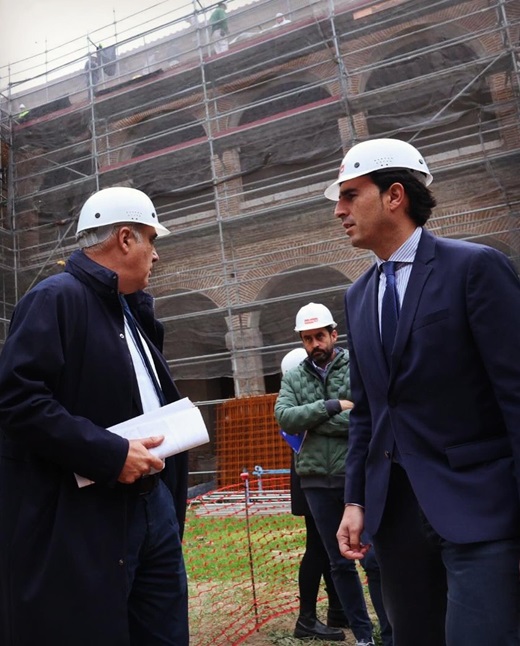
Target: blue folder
(294,441)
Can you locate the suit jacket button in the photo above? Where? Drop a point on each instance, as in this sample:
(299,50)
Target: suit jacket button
(388,455)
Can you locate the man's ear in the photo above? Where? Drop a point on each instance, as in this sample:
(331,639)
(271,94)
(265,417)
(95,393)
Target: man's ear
(396,196)
(124,234)
(334,334)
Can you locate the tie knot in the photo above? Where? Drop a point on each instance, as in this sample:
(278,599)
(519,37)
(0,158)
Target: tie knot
(389,268)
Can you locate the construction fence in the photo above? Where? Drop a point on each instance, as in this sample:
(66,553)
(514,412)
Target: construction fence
(243,549)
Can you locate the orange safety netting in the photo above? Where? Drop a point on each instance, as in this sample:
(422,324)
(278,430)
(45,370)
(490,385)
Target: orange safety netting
(248,439)
(242,548)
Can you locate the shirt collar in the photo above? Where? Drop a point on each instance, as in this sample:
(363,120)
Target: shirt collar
(406,252)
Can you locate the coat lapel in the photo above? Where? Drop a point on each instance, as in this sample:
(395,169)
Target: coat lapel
(371,323)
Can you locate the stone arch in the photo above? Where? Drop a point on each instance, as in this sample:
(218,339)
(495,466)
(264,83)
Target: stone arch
(264,85)
(165,129)
(194,327)
(177,176)
(282,297)
(454,105)
(289,149)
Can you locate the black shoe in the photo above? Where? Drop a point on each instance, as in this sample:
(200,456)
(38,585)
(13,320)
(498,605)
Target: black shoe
(314,629)
(336,618)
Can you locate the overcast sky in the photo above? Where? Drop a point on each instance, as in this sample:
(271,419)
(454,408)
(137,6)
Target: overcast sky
(26,25)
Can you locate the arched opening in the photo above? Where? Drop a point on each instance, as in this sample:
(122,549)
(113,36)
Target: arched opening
(438,96)
(194,336)
(290,153)
(179,180)
(282,298)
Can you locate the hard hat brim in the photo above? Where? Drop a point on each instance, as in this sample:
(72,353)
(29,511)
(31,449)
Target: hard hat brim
(332,191)
(161,231)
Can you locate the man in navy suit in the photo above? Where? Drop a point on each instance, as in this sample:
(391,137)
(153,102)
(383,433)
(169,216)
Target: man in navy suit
(433,466)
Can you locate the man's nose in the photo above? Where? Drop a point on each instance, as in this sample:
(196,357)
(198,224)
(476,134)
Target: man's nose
(340,210)
(155,256)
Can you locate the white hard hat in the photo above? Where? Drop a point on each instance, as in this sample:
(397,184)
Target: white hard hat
(379,154)
(118,204)
(313,316)
(293,359)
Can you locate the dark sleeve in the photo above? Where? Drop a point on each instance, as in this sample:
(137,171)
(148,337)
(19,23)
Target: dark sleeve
(42,339)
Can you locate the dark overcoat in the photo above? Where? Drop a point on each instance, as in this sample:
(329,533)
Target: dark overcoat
(65,376)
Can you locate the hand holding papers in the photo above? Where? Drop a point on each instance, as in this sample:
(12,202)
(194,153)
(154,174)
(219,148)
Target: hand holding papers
(181,424)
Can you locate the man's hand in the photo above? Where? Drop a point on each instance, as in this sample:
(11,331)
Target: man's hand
(346,404)
(139,461)
(349,533)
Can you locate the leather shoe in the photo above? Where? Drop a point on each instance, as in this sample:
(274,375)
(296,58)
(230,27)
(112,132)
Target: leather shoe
(308,628)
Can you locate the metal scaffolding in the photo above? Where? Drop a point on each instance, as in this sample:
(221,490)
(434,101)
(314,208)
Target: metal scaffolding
(236,147)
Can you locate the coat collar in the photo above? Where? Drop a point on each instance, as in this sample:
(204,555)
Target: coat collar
(104,281)
(96,276)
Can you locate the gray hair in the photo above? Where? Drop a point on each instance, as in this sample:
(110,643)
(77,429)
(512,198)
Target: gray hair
(93,237)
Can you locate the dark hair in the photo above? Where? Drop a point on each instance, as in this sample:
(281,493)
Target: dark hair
(329,328)
(420,198)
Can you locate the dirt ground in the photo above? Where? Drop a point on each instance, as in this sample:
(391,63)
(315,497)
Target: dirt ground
(279,632)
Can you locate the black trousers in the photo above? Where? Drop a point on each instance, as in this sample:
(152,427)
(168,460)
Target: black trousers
(438,593)
(314,565)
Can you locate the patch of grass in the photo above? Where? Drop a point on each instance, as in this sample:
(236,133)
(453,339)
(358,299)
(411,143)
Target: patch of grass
(243,570)
(218,548)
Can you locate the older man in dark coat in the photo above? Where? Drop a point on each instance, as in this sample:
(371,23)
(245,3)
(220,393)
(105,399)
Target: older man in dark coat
(100,565)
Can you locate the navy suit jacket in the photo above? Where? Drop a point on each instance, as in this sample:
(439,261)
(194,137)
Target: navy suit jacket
(451,397)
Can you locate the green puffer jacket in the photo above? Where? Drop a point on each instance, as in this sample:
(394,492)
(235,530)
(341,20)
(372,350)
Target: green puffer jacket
(300,407)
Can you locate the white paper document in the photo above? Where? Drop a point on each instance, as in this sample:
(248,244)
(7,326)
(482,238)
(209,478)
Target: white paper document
(181,424)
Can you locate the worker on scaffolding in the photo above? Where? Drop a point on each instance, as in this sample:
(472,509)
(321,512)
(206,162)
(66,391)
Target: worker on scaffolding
(93,69)
(219,29)
(280,20)
(23,113)
(314,400)
(99,565)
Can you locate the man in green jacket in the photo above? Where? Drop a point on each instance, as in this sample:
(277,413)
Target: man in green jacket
(219,28)
(314,400)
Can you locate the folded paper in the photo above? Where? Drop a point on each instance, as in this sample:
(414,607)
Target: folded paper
(181,423)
